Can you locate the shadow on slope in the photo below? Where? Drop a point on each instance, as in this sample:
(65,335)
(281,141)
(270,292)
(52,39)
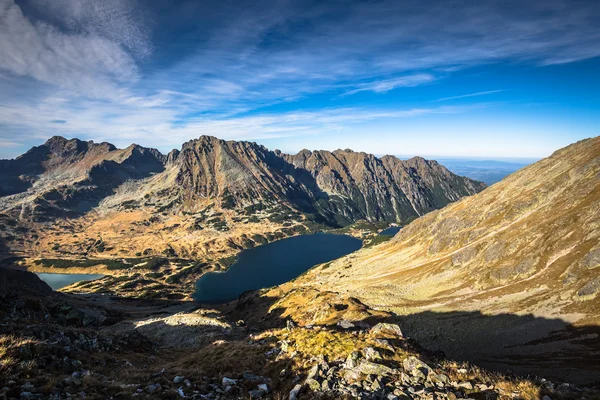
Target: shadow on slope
(507,343)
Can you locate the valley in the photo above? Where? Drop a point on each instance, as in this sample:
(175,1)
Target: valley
(461,278)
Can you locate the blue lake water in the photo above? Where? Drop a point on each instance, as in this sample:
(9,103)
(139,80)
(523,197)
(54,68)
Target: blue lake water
(272,264)
(57,281)
(391,231)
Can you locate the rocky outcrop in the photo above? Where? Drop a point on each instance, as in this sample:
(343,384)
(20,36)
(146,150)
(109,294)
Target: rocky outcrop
(341,186)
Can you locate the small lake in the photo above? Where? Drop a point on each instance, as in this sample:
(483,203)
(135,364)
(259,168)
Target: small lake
(57,281)
(391,231)
(272,264)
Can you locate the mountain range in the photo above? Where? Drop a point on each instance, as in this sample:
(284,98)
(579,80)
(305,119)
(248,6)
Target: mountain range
(210,185)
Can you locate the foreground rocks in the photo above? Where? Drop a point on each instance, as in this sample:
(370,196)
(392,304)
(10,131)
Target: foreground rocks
(49,351)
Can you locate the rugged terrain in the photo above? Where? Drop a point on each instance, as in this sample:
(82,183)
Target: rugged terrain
(59,346)
(509,278)
(155,222)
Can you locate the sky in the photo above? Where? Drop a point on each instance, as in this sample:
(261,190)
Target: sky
(454,78)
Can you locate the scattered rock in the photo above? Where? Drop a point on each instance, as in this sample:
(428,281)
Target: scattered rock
(345,324)
(352,360)
(371,368)
(153,388)
(383,328)
(228,381)
(178,379)
(371,354)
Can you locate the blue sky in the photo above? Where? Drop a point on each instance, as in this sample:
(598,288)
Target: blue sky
(486,79)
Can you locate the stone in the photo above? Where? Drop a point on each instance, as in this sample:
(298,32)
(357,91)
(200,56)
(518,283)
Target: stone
(153,388)
(352,359)
(313,384)
(413,366)
(371,354)
(384,344)
(294,392)
(256,394)
(228,381)
(345,324)
(263,387)
(383,328)
(371,368)
(284,345)
(465,385)
(289,324)
(314,371)
(178,379)
(376,385)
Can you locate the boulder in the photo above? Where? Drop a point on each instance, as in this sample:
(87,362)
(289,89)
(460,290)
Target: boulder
(386,329)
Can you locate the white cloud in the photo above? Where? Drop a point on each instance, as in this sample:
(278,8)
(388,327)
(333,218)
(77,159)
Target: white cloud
(384,86)
(462,96)
(86,64)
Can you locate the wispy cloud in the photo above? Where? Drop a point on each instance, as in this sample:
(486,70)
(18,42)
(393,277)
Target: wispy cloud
(386,85)
(214,67)
(462,96)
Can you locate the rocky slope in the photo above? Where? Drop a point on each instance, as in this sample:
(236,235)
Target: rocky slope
(507,277)
(55,346)
(341,187)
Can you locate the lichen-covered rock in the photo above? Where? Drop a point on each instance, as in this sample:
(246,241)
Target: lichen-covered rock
(386,329)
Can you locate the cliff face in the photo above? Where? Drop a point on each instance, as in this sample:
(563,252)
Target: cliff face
(359,185)
(340,186)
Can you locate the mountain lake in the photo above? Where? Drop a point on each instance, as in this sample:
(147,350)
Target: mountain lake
(57,281)
(272,264)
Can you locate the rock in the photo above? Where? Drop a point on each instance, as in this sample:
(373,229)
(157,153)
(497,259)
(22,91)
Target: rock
(412,364)
(376,385)
(180,393)
(263,387)
(284,345)
(313,384)
(546,398)
(295,391)
(76,364)
(256,394)
(314,371)
(371,368)
(384,344)
(371,354)
(345,324)
(465,385)
(153,388)
(289,324)
(228,382)
(352,360)
(383,328)
(178,379)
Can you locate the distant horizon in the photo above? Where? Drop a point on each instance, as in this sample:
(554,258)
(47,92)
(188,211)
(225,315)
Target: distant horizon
(478,79)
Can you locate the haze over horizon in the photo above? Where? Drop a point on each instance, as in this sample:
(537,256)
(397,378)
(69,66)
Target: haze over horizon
(485,80)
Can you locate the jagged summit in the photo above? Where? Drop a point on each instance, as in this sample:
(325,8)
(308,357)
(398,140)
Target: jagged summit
(72,179)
